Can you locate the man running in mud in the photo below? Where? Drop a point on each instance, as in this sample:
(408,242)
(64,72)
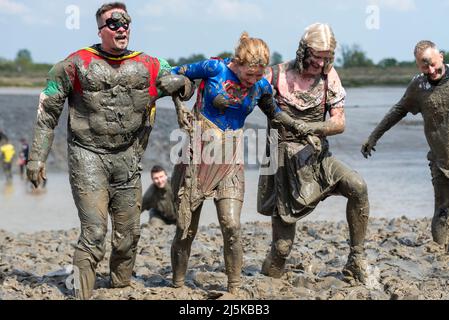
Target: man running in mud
(428,94)
(111,92)
(307,88)
(158,199)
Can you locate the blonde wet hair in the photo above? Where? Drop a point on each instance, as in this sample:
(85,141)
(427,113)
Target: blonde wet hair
(252,51)
(319,37)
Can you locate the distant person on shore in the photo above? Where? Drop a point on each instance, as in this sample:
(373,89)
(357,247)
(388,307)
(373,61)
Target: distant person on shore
(428,94)
(23,157)
(7,151)
(308,88)
(111,93)
(2,136)
(158,199)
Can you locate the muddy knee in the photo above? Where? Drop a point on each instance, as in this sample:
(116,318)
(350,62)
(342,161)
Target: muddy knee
(92,239)
(231,233)
(353,186)
(125,244)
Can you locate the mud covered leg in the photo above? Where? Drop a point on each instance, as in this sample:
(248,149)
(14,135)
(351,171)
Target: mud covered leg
(125,216)
(229,217)
(180,249)
(281,246)
(354,188)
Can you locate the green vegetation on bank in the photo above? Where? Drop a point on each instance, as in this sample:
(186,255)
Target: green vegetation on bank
(353,65)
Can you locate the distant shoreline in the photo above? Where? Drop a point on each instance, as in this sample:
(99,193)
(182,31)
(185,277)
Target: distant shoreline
(351,77)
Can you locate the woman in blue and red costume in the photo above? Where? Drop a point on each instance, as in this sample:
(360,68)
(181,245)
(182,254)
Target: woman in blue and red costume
(229,92)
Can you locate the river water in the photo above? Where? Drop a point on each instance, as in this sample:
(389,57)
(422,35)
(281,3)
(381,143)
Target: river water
(397,175)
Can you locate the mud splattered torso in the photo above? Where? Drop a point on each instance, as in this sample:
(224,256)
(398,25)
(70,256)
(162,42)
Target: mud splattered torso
(307,105)
(219,79)
(108,98)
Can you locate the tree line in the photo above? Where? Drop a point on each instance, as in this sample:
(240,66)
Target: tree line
(276,58)
(351,56)
(354,56)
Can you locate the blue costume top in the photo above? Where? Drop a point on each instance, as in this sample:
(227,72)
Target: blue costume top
(219,79)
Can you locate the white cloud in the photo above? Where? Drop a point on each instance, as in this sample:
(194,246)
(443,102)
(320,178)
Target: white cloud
(398,5)
(12,8)
(204,9)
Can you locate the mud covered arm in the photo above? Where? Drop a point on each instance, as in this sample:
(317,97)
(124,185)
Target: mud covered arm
(200,70)
(170,84)
(51,104)
(278,117)
(296,126)
(268,106)
(334,125)
(393,116)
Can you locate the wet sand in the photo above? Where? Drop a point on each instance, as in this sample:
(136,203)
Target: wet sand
(403,264)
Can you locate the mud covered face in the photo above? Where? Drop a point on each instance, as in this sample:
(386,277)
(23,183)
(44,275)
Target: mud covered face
(249,75)
(159,179)
(115,31)
(430,62)
(316,61)
(116,21)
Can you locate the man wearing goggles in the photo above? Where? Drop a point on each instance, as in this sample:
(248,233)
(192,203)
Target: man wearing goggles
(111,91)
(116,21)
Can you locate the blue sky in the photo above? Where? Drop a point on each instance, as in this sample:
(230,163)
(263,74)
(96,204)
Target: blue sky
(177,28)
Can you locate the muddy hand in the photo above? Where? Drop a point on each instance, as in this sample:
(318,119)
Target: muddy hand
(171,83)
(36,172)
(185,117)
(315,142)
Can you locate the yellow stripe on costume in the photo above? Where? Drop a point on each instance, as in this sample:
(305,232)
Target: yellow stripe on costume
(132,55)
(151,109)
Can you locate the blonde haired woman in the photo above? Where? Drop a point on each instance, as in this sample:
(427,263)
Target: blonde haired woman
(308,88)
(229,92)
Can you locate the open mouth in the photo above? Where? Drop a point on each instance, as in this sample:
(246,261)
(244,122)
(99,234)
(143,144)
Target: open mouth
(434,75)
(120,37)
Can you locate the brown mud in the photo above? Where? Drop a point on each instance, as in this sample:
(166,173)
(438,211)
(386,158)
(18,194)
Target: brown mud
(404,263)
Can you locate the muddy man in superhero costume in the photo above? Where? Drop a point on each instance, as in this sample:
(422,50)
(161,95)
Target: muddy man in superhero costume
(111,93)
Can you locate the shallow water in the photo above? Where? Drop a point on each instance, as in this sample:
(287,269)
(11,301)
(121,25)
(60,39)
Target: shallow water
(397,175)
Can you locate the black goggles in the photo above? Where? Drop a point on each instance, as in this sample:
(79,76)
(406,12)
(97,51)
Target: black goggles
(114,25)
